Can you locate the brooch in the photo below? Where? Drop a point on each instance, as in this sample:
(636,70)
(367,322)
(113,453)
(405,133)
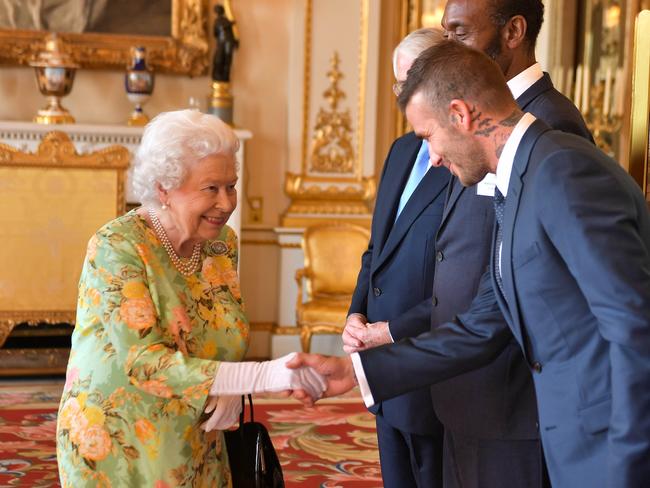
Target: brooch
(219,248)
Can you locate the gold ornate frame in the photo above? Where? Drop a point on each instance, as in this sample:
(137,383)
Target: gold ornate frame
(640,113)
(185,52)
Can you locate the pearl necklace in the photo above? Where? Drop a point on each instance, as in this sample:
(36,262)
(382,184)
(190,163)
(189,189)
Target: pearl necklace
(185,266)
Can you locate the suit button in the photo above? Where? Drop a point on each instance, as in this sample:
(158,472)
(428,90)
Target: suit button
(376,291)
(434,300)
(537,367)
(537,426)
(439,256)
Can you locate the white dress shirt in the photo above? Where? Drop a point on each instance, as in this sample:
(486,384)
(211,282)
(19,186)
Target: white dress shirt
(524,80)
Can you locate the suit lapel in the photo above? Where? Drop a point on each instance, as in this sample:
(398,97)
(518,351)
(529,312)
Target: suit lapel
(454,191)
(515,187)
(394,180)
(429,188)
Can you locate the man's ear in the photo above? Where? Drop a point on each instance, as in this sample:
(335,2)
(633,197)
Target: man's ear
(460,115)
(514,32)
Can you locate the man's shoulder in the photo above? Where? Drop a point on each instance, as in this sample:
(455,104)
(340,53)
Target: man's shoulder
(408,140)
(558,112)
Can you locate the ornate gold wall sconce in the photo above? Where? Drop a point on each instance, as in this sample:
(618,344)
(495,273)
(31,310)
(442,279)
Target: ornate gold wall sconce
(55,72)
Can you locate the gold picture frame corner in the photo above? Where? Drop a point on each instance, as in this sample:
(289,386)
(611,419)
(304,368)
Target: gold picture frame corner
(185,52)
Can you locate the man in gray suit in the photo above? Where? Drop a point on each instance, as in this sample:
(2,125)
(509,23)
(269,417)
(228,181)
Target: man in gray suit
(491,437)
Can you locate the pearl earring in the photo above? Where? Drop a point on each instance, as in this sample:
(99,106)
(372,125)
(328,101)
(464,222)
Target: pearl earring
(164,206)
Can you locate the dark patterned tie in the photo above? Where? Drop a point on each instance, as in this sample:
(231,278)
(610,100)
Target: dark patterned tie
(499,205)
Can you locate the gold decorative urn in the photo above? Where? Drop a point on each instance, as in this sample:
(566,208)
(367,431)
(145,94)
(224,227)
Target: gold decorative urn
(55,71)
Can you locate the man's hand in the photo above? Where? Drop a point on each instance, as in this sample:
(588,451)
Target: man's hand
(337,371)
(359,338)
(355,327)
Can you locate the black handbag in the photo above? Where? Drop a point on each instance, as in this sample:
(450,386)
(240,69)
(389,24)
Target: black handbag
(253,461)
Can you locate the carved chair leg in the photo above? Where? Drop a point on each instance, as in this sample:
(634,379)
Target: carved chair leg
(305,338)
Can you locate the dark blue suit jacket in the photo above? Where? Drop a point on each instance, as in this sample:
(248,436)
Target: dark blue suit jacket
(576,273)
(498,400)
(396,276)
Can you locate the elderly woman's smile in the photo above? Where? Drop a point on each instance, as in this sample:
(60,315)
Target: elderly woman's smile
(202,204)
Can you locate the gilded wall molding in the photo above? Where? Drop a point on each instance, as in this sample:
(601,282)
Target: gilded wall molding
(184,52)
(286,330)
(331,147)
(331,183)
(263,326)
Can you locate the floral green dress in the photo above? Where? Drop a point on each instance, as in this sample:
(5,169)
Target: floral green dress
(145,349)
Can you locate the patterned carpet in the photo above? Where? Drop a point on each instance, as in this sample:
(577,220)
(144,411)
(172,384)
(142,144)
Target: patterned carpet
(331,445)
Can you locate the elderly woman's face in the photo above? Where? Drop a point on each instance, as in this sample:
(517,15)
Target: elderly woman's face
(202,204)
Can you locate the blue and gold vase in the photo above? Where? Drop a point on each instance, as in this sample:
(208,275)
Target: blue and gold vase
(138,82)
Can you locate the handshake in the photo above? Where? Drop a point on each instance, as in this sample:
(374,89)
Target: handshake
(306,377)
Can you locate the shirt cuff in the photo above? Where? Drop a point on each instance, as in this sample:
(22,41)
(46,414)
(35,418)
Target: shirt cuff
(392,339)
(361,379)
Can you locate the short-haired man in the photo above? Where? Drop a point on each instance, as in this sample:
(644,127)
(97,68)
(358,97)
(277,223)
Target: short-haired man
(489,415)
(395,284)
(569,271)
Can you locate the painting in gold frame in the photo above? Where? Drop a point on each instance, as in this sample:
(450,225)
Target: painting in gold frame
(184,52)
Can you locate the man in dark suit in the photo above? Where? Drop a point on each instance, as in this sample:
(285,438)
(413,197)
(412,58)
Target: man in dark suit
(569,271)
(489,415)
(395,285)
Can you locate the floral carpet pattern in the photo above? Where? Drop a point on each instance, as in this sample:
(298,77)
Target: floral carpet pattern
(331,445)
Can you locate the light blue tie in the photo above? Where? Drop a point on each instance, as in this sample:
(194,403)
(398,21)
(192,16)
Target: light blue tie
(417,173)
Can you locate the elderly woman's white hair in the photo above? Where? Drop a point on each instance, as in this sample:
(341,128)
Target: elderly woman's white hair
(171,143)
(415,42)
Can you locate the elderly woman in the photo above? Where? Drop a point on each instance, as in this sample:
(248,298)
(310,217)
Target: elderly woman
(160,324)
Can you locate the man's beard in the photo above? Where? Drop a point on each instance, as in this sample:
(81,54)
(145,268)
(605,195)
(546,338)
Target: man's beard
(475,162)
(493,50)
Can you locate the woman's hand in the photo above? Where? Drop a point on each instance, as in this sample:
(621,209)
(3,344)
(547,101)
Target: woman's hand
(268,376)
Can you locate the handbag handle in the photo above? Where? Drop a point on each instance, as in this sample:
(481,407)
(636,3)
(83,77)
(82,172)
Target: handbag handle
(243,408)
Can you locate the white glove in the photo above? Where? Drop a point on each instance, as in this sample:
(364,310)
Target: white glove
(225,412)
(250,377)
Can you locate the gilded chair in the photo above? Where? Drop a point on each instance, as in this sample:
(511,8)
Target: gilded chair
(51,202)
(332,260)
